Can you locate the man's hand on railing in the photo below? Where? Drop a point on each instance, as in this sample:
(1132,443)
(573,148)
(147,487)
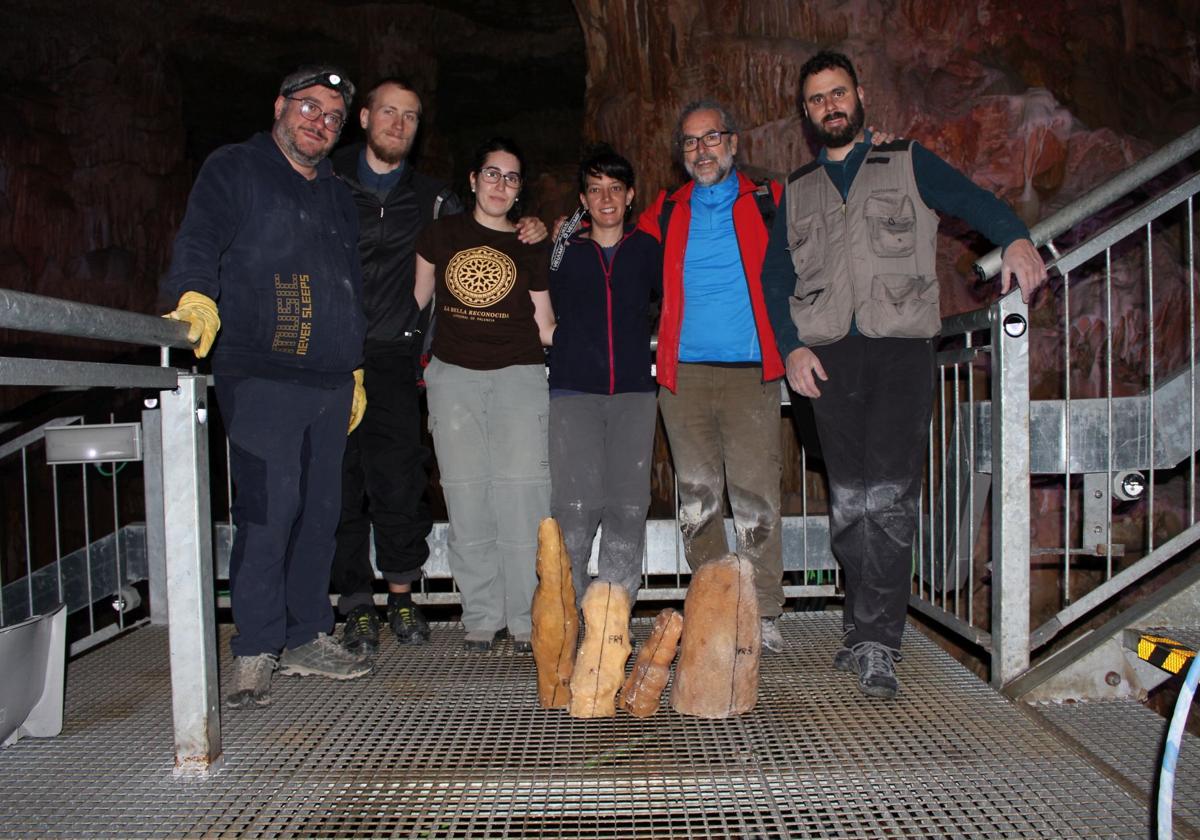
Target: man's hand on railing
(1021,260)
(803,370)
(199,312)
(358,403)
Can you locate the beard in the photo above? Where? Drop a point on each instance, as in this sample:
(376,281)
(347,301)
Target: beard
(836,138)
(285,136)
(392,154)
(717,174)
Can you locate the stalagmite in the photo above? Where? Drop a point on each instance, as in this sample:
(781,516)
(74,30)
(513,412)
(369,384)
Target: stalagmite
(717,674)
(641,694)
(600,665)
(555,619)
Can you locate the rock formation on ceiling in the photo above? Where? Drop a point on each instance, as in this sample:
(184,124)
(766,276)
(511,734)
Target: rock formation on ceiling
(1038,102)
(112,106)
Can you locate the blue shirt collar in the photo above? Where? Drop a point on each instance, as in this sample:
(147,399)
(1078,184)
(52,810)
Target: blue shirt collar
(371,179)
(723,191)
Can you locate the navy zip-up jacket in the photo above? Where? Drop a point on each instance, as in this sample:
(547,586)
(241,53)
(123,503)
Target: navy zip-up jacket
(602,341)
(279,255)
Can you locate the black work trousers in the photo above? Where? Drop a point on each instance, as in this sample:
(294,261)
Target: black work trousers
(873,421)
(285,445)
(384,476)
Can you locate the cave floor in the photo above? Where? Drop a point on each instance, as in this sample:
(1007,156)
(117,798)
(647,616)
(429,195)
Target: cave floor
(439,743)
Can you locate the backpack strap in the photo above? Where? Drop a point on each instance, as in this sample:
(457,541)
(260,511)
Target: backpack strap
(765,200)
(440,200)
(664,217)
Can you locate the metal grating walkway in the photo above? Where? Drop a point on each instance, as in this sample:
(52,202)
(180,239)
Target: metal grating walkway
(1128,737)
(444,744)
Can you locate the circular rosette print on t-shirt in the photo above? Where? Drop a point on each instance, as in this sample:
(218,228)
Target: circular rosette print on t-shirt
(480,277)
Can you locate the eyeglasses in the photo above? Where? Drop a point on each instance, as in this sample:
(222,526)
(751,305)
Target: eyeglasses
(712,138)
(492,175)
(312,112)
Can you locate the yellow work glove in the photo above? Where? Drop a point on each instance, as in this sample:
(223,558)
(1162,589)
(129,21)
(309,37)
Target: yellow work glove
(358,403)
(200,313)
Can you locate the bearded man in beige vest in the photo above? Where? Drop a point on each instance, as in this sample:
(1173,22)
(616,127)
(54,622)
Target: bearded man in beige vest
(852,293)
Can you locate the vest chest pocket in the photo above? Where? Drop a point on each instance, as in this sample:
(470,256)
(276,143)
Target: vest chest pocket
(806,244)
(891,224)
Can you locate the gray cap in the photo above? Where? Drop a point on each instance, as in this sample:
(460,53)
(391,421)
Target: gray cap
(326,75)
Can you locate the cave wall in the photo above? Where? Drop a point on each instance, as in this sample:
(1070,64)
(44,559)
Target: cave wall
(110,108)
(1036,101)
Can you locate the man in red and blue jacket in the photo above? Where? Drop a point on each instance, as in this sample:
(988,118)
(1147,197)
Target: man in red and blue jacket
(717,357)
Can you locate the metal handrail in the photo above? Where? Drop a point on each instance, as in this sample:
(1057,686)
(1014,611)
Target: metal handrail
(38,313)
(1102,196)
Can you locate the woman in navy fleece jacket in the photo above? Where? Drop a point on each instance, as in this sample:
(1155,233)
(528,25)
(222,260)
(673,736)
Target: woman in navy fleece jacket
(602,391)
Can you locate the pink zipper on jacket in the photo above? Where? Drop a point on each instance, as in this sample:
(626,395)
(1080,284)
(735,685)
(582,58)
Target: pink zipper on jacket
(607,269)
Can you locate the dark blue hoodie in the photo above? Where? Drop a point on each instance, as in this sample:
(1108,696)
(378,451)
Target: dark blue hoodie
(279,255)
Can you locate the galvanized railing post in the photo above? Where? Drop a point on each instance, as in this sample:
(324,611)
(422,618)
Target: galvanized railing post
(156,537)
(188,520)
(1010,489)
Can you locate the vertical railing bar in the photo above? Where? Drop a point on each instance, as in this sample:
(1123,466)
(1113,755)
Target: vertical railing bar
(228,485)
(970,343)
(1066,584)
(957,519)
(120,580)
(804,503)
(57,532)
(28,534)
(929,491)
(1108,400)
(943,489)
(1150,334)
(87,547)
(120,599)
(1191,262)
(678,533)
(927,507)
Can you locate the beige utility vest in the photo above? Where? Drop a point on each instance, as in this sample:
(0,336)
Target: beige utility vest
(871,257)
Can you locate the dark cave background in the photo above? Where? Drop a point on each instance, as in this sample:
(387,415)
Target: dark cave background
(108,108)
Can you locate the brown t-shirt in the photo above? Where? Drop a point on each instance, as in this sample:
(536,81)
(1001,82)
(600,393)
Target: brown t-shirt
(484,277)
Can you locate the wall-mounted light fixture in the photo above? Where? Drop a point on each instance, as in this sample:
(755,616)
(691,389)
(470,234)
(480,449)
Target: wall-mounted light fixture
(92,444)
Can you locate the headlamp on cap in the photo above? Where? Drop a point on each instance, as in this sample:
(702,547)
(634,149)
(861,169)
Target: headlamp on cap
(323,75)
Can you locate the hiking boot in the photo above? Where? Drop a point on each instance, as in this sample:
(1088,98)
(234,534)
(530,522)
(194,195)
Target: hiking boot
(360,636)
(844,660)
(772,639)
(323,657)
(876,666)
(252,681)
(408,624)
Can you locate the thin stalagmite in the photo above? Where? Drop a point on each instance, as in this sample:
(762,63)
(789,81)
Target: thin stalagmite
(555,619)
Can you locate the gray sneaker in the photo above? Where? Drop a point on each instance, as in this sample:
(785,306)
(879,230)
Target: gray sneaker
(323,657)
(252,681)
(876,666)
(844,660)
(772,639)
